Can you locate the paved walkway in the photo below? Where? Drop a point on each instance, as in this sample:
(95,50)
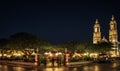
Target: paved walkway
(49,65)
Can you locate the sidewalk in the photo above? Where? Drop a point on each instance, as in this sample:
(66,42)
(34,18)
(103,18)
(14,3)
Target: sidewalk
(17,63)
(49,65)
(79,63)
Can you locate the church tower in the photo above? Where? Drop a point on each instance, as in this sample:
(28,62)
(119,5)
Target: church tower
(113,35)
(96,33)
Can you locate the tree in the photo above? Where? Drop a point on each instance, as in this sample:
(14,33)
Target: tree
(89,47)
(71,46)
(80,48)
(3,43)
(103,47)
(25,42)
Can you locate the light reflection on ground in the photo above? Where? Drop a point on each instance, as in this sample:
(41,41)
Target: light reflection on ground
(18,69)
(91,67)
(54,69)
(96,68)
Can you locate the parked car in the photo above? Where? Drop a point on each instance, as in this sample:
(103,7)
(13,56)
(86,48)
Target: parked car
(104,58)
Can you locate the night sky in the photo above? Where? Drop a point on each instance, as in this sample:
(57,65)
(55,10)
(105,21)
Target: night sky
(58,21)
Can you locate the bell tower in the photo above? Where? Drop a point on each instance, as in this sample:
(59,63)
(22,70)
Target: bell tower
(113,35)
(96,33)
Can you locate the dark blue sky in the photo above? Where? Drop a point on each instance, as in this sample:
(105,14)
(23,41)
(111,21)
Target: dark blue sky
(57,21)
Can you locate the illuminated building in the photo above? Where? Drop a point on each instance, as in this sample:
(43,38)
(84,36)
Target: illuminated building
(96,33)
(113,34)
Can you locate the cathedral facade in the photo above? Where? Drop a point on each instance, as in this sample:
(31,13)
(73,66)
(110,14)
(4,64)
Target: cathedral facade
(96,33)
(113,33)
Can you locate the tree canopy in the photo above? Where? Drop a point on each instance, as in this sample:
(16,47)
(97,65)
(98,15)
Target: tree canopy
(25,40)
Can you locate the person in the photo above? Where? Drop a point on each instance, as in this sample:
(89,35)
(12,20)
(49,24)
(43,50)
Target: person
(59,60)
(53,60)
(45,61)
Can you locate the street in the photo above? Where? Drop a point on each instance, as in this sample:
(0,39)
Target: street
(90,67)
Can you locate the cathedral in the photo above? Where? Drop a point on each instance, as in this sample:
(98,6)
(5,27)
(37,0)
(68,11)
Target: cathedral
(113,34)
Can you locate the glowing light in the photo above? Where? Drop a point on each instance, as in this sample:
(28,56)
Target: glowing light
(18,54)
(94,54)
(46,53)
(0,55)
(59,53)
(33,53)
(8,56)
(51,55)
(5,55)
